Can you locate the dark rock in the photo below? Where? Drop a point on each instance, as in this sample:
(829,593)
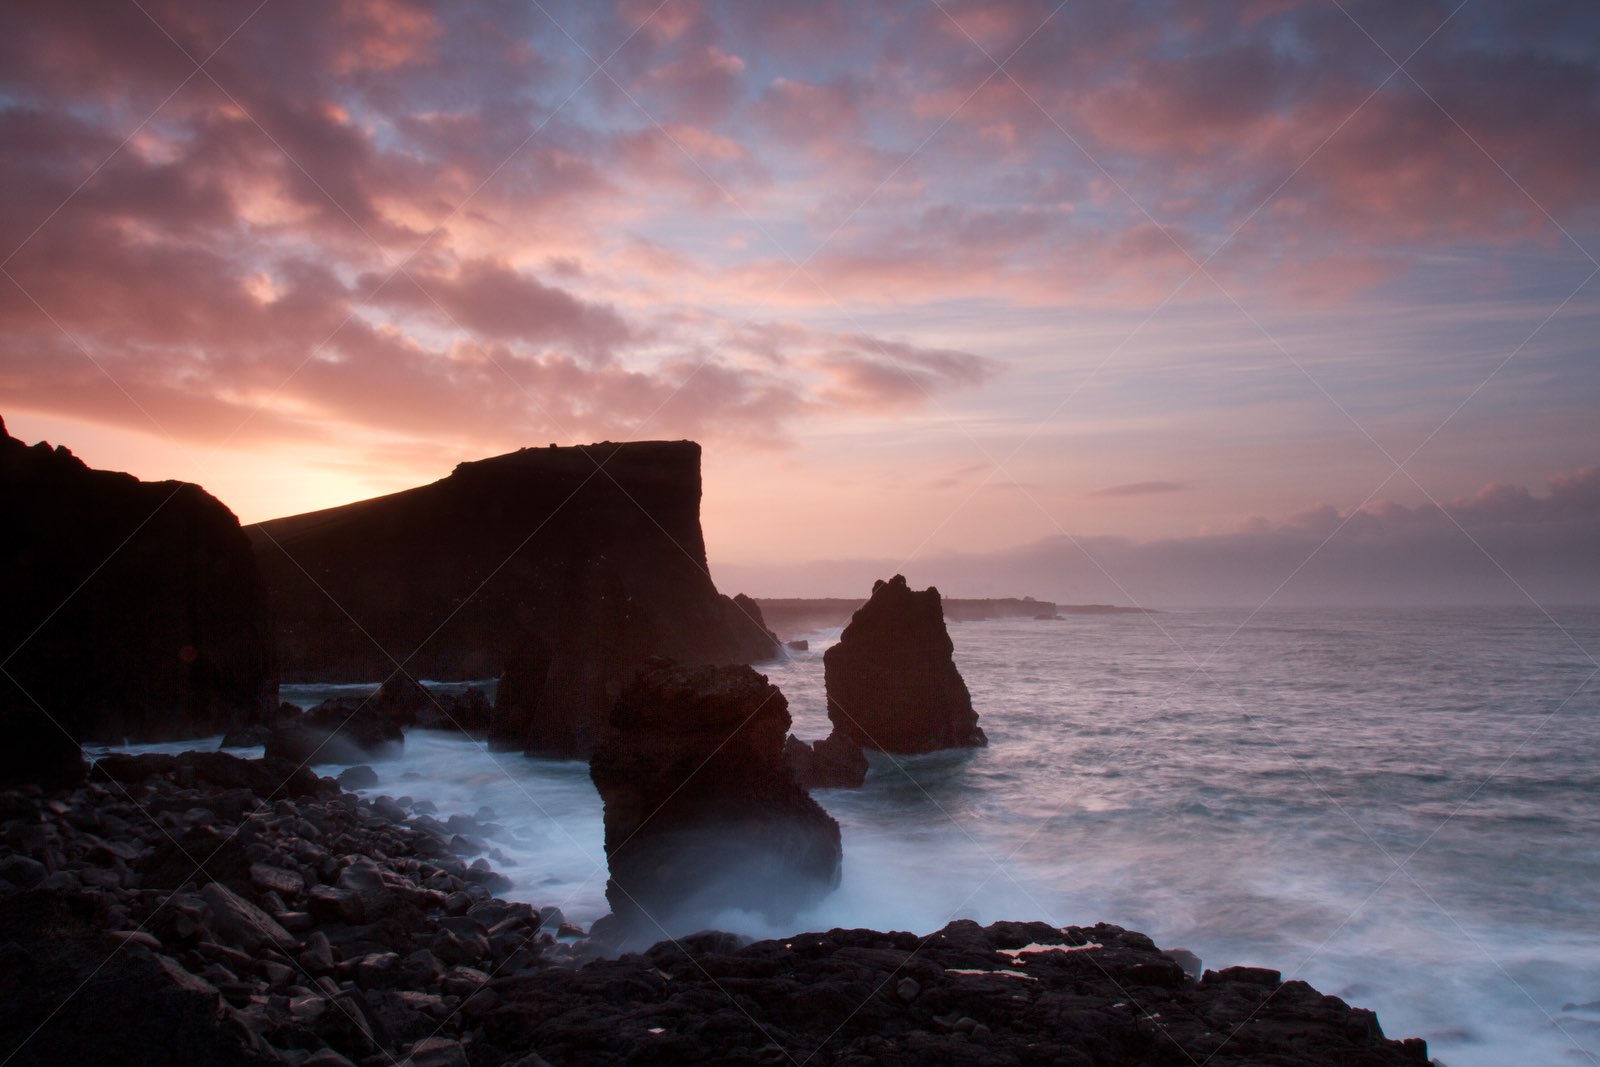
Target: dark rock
(469,712)
(358,777)
(401,699)
(701,813)
(835,762)
(241,922)
(437,1052)
(267,778)
(1185,959)
(798,645)
(252,736)
(134,610)
(562,569)
(342,730)
(67,1000)
(317,956)
(892,682)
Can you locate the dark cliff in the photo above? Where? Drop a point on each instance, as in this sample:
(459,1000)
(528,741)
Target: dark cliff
(133,609)
(566,567)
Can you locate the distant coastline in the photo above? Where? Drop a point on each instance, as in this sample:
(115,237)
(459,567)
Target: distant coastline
(789,616)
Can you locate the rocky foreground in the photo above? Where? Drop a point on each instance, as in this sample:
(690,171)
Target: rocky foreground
(207,909)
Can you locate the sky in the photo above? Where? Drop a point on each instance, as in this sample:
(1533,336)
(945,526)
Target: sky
(1128,301)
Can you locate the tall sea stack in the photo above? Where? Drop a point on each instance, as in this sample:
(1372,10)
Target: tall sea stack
(701,813)
(561,569)
(134,610)
(892,682)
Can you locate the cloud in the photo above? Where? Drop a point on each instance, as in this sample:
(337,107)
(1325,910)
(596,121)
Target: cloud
(1505,545)
(1138,489)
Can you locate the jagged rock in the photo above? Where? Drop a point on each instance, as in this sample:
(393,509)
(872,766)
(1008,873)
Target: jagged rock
(358,777)
(342,730)
(892,682)
(835,762)
(268,778)
(252,736)
(701,813)
(134,610)
(241,922)
(563,568)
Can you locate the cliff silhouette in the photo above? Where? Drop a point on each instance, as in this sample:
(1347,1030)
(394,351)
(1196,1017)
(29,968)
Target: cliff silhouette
(563,568)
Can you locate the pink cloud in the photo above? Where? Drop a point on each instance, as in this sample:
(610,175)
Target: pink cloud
(699,87)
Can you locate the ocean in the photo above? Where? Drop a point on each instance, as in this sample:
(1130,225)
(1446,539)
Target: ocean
(1397,806)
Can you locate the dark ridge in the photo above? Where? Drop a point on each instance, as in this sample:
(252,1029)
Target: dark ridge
(133,609)
(564,567)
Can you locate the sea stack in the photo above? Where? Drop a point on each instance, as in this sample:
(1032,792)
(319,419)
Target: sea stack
(701,814)
(892,682)
(134,610)
(561,569)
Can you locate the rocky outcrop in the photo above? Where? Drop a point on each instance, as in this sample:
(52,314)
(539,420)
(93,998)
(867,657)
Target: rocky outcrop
(835,762)
(342,730)
(892,682)
(562,567)
(701,814)
(407,702)
(133,610)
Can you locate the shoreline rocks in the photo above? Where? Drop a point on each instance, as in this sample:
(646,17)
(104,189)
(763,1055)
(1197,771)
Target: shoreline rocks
(892,681)
(131,928)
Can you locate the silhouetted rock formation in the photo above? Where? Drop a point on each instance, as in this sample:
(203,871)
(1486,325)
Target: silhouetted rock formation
(133,610)
(563,568)
(835,762)
(407,702)
(892,684)
(342,730)
(324,929)
(701,813)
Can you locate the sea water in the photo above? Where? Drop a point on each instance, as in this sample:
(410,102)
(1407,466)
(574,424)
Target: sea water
(1396,806)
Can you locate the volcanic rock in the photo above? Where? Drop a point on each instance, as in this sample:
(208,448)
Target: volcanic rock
(563,568)
(835,762)
(701,813)
(341,730)
(406,702)
(892,682)
(134,610)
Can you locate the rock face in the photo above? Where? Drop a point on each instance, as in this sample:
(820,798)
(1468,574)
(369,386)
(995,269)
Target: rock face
(342,730)
(270,919)
(133,610)
(892,684)
(835,762)
(560,568)
(701,813)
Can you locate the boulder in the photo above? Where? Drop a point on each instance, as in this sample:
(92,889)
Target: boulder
(835,762)
(892,682)
(134,611)
(341,730)
(561,568)
(701,813)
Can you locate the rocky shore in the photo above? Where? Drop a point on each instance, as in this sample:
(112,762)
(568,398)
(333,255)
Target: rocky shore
(208,909)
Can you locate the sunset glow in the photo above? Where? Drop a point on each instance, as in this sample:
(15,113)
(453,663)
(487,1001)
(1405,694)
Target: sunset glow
(934,282)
